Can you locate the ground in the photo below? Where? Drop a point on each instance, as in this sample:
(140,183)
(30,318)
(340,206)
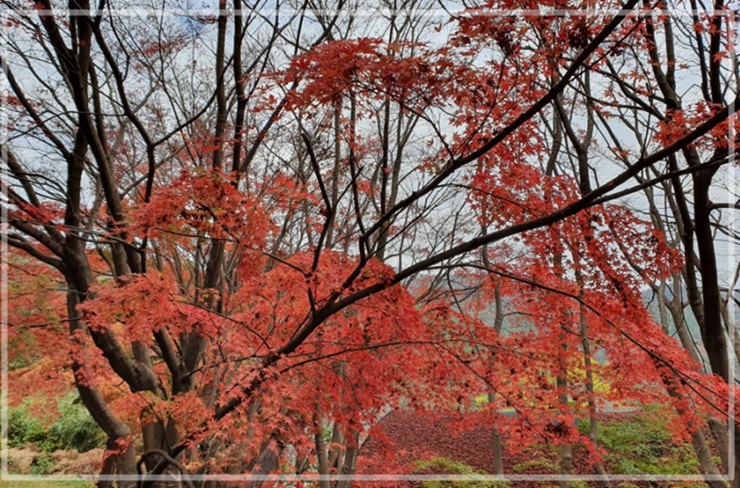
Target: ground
(638,444)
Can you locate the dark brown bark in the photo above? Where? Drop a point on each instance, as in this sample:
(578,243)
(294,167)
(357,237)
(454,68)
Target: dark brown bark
(119,456)
(350,458)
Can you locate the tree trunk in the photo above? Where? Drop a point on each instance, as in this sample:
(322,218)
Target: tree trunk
(698,441)
(119,451)
(268,462)
(593,431)
(566,450)
(321,453)
(719,432)
(336,455)
(117,462)
(736,471)
(498,457)
(350,458)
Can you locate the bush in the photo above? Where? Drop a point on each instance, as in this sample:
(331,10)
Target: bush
(643,445)
(441,465)
(47,484)
(23,428)
(74,429)
(43,464)
(538,463)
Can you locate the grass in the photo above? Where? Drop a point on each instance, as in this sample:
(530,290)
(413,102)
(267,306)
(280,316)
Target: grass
(441,465)
(538,463)
(643,445)
(74,429)
(46,484)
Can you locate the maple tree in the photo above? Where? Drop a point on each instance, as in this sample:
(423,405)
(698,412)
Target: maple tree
(243,230)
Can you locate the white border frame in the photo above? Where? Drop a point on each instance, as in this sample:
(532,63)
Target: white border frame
(5,475)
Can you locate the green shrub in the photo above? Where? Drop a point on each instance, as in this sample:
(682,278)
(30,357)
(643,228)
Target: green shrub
(42,464)
(643,445)
(46,484)
(74,429)
(23,428)
(441,465)
(539,463)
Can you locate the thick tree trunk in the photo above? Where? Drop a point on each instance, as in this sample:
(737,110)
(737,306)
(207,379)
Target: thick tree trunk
(117,462)
(736,470)
(712,330)
(350,458)
(719,432)
(119,455)
(321,453)
(157,436)
(698,442)
(498,454)
(322,460)
(268,462)
(704,455)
